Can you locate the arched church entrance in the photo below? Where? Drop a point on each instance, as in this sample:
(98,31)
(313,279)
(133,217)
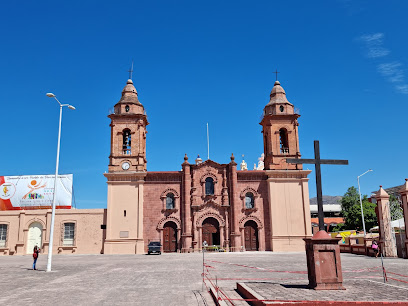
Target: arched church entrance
(211,231)
(169,237)
(34,236)
(251,236)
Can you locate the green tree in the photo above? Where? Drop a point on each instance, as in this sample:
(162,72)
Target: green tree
(351,210)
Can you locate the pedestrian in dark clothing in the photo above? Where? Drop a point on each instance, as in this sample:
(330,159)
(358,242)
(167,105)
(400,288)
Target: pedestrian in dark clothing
(35,256)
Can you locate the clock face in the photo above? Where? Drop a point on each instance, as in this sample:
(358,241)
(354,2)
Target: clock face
(125,166)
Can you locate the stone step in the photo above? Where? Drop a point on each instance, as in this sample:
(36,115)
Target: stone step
(237,299)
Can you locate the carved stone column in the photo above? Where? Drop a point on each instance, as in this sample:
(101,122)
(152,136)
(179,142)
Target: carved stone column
(200,238)
(261,238)
(226,230)
(242,231)
(178,239)
(222,236)
(235,234)
(387,245)
(196,239)
(186,210)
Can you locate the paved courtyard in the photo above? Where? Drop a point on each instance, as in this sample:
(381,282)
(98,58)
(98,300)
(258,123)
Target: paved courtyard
(175,279)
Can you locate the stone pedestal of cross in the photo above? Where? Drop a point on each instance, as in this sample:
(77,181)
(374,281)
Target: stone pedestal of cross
(322,251)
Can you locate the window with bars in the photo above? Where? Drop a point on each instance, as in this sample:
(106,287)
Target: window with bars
(3,235)
(69,233)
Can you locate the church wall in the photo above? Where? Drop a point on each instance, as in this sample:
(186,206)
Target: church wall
(88,237)
(290,213)
(156,187)
(261,212)
(123,217)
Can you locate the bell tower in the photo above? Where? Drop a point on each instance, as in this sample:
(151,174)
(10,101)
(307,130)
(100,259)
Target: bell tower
(126,175)
(280,131)
(128,133)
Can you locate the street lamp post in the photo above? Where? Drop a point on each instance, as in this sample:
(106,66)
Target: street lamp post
(361,203)
(51,95)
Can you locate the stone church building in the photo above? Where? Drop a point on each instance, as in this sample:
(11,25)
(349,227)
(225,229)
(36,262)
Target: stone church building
(236,210)
(206,201)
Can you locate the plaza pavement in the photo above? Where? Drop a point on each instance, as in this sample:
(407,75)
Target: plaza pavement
(175,279)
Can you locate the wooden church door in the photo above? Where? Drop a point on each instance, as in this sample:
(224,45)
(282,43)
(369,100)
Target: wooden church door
(210,231)
(251,236)
(169,238)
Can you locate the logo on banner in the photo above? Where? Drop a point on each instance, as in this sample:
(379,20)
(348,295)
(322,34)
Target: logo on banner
(34,185)
(7,190)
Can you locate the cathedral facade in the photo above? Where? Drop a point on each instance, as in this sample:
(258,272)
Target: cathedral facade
(206,202)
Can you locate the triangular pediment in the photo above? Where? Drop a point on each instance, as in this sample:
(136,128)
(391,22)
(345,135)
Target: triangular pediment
(210,163)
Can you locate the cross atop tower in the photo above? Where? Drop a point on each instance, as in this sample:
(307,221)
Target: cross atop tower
(131,71)
(276,72)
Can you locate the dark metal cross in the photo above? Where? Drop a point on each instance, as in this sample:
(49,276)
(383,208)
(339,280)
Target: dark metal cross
(276,72)
(317,162)
(131,71)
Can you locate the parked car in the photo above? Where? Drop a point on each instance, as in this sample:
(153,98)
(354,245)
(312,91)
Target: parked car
(154,247)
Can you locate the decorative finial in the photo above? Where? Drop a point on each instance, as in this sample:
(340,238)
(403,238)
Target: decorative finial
(380,186)
(185,157)
(406,179)
(130,71)
(198,160)
(232,157)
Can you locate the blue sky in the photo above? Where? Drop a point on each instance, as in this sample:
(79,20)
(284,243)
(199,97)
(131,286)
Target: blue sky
(342,63)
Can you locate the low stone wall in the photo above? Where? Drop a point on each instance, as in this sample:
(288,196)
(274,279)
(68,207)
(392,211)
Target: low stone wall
(365,249)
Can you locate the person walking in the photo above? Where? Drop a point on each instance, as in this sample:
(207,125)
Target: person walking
(35,256)
(374,246)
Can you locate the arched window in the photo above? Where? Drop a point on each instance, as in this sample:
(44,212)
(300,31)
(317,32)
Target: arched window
(126,142)
(170,201)
(283,137)
(249,200)
(209,186)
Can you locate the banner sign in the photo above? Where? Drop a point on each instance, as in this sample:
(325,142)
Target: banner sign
(35,192)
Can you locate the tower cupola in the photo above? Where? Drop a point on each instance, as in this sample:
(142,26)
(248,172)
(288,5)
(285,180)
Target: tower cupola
(129,102)
(278,103)
(280,131)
